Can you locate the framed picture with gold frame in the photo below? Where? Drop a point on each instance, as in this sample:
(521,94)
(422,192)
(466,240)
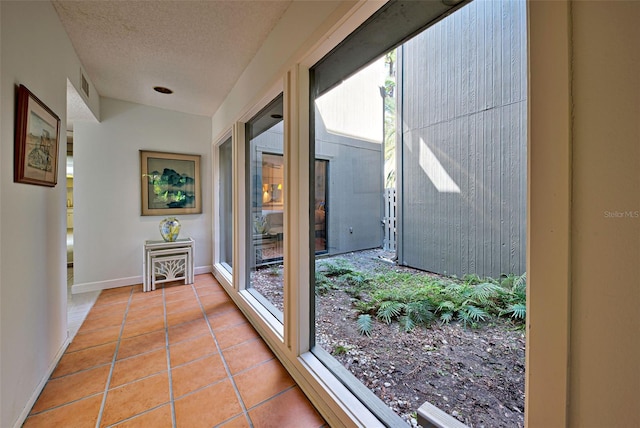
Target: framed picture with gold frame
(37,137)
(170,183)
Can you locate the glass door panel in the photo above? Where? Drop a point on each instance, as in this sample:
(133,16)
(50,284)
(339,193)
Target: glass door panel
(225,166)
(266,204)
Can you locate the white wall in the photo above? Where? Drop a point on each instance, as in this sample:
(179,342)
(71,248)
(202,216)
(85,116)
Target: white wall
(109,231)
(35,52)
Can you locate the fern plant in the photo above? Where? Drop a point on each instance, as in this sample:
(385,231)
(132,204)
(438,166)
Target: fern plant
(416,313)
(365,324)
(389,310)
(470,302)
(515,299)
(517,311)
(397,296)
(409,308)
(355,279)
(470,314)
(447,310)
(414,299)
(336,267)
(323,284)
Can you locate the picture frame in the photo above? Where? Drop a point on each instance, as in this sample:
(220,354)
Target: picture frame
(37,140)
(170,183)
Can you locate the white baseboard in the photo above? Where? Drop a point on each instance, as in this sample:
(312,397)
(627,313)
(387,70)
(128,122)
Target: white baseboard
(105,285)
(36,393)
(123,282)
(202,270)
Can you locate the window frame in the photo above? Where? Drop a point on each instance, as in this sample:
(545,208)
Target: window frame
(220,268)
(549,173)
(260,304)
(292,342)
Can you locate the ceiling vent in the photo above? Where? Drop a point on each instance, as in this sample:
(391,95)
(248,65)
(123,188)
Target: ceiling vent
(84,84)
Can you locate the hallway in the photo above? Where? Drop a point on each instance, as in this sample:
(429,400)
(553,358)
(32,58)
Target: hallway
(179,356)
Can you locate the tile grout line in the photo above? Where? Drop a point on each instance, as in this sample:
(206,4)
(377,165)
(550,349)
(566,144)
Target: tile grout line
(278,394)
(56,407)
(118,342)
(255,366)
(113,361)
(224,360)
(200,388)
(200,358)
(114,425)
(172,404)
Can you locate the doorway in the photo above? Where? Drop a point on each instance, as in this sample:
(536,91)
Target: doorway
(78,305)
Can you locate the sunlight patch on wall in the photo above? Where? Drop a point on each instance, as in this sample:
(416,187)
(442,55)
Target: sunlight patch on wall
(435,171)
(354,108)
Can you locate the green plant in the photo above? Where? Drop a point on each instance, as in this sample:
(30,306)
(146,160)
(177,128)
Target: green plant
(517,311)
(415,299)
(322,284)
(520,287)
(472,315)
(471,279)
(339,273)
(409,314)
(365,324)
(335,267)
(274,270)
(389,309)
(355,279)
(406,300)
(364,306)
(418,313)
(470,302)
(341,349)
(260,225)
(516,298)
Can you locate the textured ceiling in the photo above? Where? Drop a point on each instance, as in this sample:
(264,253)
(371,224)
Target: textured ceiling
(77,109)
(196,48)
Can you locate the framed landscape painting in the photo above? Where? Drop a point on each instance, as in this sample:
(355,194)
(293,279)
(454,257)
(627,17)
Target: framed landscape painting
(37,137)
(170,183)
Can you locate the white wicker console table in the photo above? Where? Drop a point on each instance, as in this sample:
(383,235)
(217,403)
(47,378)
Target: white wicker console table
(167,261)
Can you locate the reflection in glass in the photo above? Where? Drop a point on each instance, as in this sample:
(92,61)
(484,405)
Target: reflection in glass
(320,208)
(265,150)
(225,204)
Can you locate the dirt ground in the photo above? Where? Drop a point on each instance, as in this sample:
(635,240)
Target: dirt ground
(475,375)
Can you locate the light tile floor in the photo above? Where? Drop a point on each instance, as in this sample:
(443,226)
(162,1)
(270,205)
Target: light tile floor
(179,356)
